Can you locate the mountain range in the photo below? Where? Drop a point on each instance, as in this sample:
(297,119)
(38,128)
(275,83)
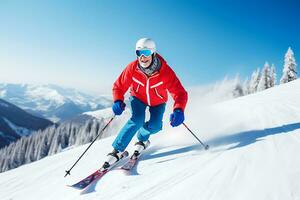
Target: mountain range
(15,123)
(51,101)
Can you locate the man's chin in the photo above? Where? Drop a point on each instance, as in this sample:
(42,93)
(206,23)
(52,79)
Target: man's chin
(144,65)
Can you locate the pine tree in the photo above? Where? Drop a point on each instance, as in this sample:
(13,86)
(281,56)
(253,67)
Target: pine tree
(273,76)
(44,146)
(255,77)
(289,68)
(21,153)
(237,90)
(55,143)
(265,79)
(246,87)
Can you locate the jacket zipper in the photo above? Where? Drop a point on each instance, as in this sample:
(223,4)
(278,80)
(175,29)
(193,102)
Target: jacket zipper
(147,91)
(147,87)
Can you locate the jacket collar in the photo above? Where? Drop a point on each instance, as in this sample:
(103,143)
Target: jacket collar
(162,61)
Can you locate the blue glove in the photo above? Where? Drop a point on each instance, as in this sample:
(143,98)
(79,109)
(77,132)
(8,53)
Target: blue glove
(177,117)
(118,107)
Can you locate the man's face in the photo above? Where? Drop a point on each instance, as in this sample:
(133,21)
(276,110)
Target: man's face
(145,61)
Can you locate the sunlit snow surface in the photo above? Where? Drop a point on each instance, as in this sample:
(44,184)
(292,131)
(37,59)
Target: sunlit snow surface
(254,154)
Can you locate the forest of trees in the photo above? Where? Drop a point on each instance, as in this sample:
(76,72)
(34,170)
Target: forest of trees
(266,77)
(48,142)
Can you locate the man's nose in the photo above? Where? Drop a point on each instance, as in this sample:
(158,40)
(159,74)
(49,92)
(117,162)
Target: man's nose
(143,58)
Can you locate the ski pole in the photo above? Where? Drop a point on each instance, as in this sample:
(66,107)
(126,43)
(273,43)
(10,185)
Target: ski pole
(68,171)
(206,147)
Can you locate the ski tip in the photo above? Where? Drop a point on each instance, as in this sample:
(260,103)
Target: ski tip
(88,189)
(124,169)
(71,186)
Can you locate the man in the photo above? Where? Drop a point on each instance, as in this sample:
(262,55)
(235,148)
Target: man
(149,78)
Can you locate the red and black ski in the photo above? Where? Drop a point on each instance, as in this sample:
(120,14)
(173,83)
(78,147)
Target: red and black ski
(97,175)
(131,163)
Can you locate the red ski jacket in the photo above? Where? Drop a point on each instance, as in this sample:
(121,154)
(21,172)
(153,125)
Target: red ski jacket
(150,90)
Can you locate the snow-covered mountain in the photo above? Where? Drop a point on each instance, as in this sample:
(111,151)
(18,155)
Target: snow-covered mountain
(51,101)
(254,143)
(15,123)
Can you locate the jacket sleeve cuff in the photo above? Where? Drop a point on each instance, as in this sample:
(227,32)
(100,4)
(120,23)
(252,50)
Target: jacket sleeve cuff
(178,107)
(117,97)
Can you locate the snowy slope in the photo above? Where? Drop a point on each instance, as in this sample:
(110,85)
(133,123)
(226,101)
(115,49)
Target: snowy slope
(255,142)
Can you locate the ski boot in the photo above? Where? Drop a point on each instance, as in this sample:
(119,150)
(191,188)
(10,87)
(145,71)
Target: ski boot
(139,147)
(113,158)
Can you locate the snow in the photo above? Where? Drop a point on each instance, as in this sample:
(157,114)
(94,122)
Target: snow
(255,142)
(106,113)
(44,93)
(21,131)
(54,118)
(2,93)
(103,113)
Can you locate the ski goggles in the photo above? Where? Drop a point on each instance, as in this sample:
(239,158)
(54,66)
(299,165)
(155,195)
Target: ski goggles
(145,52)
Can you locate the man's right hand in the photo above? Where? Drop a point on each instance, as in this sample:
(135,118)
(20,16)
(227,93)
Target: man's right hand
(118,107)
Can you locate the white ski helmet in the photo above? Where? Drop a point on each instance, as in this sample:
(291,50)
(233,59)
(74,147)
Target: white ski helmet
(146,43)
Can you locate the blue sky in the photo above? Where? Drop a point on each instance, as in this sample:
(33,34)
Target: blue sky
(86,44)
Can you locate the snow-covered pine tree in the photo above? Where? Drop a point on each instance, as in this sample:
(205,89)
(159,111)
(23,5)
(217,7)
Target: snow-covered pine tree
(265,79)
(4,160)
(50,141)
(238,89)
(273,76)
(289,68)
(72,137)
(246,86)
(14,156)
(21,154)
(43,146)
(255,77)
(30,153)
(55,143)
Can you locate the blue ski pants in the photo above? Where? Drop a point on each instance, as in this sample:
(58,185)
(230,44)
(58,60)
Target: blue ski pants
(137,123)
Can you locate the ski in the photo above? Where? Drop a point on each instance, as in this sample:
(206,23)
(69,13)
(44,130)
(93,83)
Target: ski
(97,175)
(88,180)
(131,163)
(133,160)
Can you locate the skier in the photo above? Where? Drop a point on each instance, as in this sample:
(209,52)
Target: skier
(149,78)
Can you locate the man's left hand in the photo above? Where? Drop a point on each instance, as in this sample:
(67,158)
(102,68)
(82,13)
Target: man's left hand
(177,117)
